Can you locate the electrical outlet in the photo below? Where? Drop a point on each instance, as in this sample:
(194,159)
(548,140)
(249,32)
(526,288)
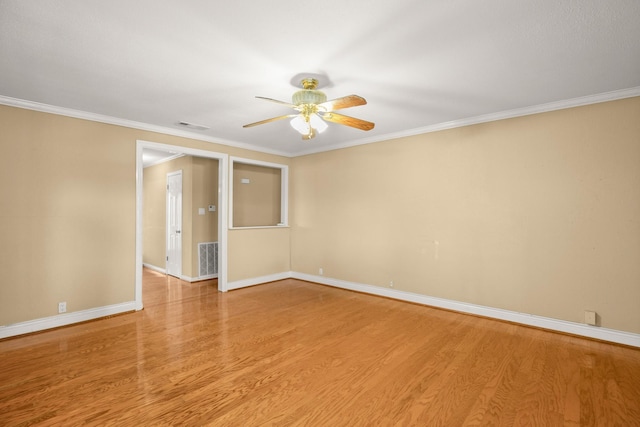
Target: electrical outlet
(391,284)
(62,307)
(590,317)
(321,271)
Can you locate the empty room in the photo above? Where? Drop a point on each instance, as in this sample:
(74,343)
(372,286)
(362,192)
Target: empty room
(411,213)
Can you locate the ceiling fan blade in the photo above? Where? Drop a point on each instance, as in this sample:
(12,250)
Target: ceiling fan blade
(344,102)
(288,104)
(273,119)
(348,121)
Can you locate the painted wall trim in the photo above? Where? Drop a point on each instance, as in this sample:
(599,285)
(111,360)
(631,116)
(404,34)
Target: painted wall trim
(207,277)
(223,198)
(183,277)
(284,189)
(84,115)
(508,114)
(198,278)
(580,329)
(163,160)
(64,319)
(259,280)
(154,268)
(484,118)
(611,335)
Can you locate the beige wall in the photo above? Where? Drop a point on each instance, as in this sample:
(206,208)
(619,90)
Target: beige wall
(67,215)
(258,202)
(154,215)
(204,193)
(538,214)
(258,252)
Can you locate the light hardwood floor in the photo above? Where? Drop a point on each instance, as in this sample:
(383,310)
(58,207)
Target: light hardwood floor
(297,353)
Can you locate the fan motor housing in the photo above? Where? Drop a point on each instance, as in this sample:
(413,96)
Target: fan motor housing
(308,96)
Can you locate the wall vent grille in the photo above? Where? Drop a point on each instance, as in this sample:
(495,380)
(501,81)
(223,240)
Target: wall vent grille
(208,259)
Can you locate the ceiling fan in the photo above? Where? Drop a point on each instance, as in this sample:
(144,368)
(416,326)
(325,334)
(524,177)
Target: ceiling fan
(313,110)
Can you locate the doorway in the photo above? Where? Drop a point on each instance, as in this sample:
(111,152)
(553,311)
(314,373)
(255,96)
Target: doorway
(222,201)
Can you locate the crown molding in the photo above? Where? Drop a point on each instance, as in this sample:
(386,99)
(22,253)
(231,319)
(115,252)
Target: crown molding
(163,160)
(492,117)
(508,114)
(78,114)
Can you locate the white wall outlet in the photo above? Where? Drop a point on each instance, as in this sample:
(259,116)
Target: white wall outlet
(590,317)
(321,271)
(62,307)
(391,284)
(212,208)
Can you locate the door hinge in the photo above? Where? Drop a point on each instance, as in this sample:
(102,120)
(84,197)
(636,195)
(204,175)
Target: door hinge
(167,257)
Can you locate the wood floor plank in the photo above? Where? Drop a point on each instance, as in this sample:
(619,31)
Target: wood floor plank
(293,353)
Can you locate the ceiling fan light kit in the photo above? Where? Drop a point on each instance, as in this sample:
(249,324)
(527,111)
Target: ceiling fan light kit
(303,126)
(314,111)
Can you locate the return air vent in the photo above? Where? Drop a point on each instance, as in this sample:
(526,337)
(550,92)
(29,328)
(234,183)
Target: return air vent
(208,260)
(193,126)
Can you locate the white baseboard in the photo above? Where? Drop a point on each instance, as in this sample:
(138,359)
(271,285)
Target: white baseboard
(580,329)
(182,277)
(154,268)
(611,335)
(64,319)
(198,279)
(258,280)
(207,277)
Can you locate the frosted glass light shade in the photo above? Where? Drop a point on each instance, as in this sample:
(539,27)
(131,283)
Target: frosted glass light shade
(317,123)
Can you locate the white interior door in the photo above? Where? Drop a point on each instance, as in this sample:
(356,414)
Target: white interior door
(174,223)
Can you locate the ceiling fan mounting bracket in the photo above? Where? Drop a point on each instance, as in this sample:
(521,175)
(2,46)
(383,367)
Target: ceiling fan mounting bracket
(309,83)
(322,80)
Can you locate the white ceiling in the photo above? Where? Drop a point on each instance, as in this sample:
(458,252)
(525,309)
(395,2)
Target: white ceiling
(419,63)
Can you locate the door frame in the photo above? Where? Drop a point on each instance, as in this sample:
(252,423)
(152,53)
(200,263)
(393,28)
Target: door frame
(223,202)
(168,201)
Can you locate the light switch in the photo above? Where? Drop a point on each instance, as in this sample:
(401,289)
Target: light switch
(200,211)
